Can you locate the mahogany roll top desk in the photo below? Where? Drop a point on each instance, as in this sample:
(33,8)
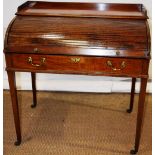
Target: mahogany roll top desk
(79,38)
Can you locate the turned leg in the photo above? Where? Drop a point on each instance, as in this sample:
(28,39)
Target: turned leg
(33,77)
(14,100)
(132,95)
(140,114)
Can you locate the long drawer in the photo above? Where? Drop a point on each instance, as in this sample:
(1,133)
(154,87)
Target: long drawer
(77,64)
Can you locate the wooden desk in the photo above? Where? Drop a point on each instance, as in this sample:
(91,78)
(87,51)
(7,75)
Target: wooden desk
(79,38)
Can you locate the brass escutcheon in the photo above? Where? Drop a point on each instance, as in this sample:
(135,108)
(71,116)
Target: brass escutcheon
(75,60)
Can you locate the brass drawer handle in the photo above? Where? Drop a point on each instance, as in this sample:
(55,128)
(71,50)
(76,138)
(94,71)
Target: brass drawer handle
(42,61)
(75,60)
(123,65)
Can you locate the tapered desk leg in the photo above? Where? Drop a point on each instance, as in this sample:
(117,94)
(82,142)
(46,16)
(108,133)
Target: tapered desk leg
(13,92)
(140,114)
(33,77)
(132,95)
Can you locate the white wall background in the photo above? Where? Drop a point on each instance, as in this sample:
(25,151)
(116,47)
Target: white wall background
(80,83)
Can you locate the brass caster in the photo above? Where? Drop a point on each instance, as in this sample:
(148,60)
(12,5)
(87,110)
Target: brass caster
(128,110)
(133,152)
(17,143)
(33,105)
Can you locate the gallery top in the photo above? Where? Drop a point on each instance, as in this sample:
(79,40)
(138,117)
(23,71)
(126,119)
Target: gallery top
(102,10)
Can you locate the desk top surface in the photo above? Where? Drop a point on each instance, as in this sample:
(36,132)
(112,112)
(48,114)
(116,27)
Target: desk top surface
(102,10)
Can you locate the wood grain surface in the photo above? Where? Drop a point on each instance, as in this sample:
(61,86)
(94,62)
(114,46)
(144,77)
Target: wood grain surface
(85,65)
(82,36)
(100,10)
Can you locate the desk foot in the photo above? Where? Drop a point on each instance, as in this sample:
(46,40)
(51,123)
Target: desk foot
(128,110)
(33,105)
(133,152)
(17,143)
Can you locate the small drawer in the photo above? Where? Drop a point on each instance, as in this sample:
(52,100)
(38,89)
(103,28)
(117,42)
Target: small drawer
(69,64)
(119,66)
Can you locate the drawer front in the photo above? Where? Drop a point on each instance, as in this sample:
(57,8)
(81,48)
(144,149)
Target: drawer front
(77,64)
(54,63)
(118,66)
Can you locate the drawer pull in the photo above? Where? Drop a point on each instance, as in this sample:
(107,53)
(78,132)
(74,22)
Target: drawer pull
(123,65)
(75,60)
(42,61)
(117,52)
(35,50)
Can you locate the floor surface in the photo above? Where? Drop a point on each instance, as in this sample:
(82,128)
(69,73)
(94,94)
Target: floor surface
(76,124)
